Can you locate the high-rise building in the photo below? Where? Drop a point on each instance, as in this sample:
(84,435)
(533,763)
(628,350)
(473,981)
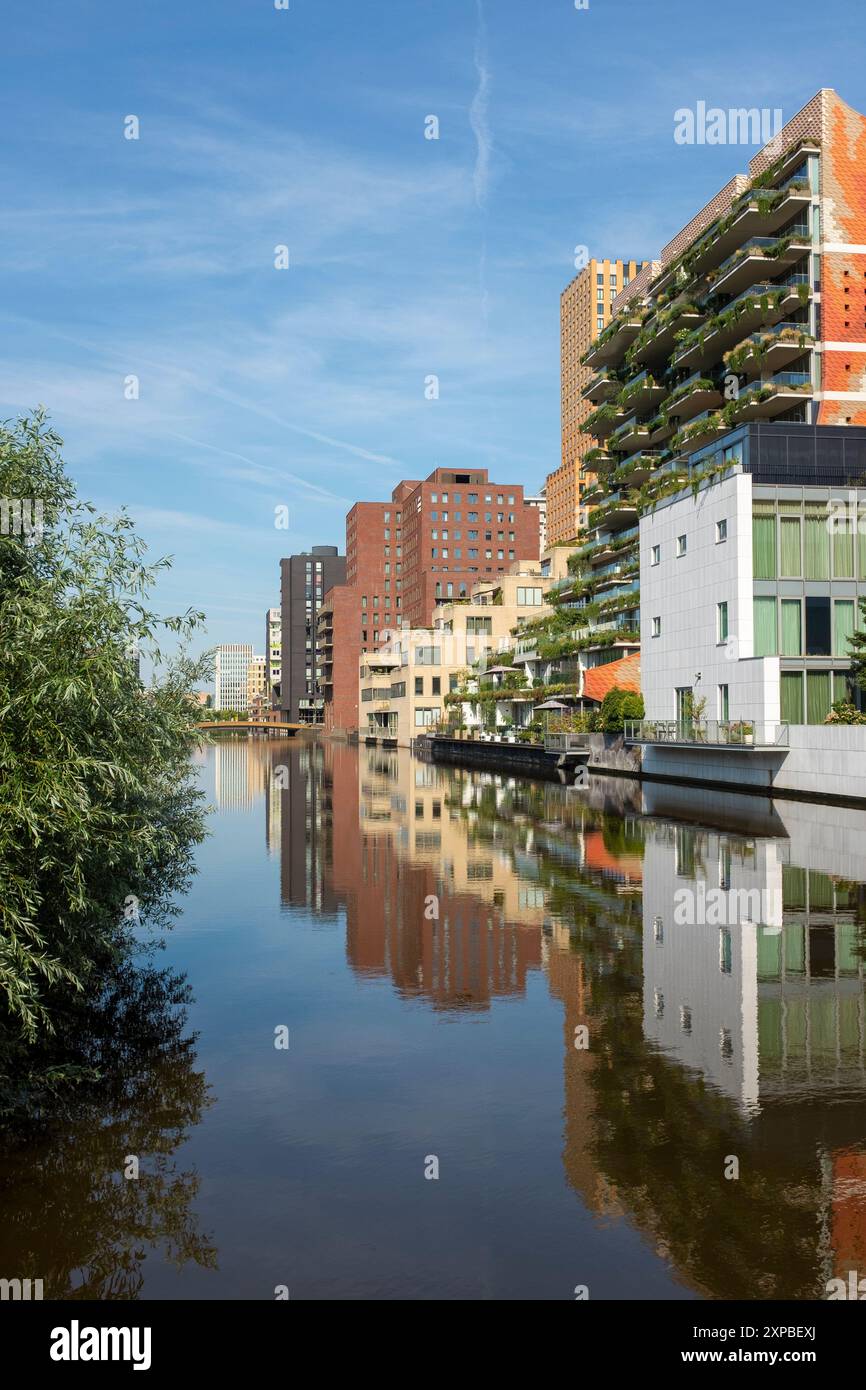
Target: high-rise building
(230,675)
(585,309)
(754,313)
(431,543)
(273,656)
(256,684)
(304,581)
(539,501)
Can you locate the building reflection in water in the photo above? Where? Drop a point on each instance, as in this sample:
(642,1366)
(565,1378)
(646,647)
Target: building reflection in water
(713,947)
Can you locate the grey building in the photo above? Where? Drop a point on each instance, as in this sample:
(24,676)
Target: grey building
(304,580)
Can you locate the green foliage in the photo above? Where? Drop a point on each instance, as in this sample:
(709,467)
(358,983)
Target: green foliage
(99,811)
(844,712)
(617,706)
(857,649)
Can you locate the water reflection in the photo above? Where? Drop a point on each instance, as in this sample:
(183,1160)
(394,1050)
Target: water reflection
(72,1215)
(713,947)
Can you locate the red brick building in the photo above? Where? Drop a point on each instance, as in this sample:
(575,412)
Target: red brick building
(430,543)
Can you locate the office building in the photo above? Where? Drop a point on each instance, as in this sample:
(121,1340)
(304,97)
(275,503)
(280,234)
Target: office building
(231,660)
(304,581)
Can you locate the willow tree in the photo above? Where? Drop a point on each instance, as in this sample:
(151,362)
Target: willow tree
(99,811)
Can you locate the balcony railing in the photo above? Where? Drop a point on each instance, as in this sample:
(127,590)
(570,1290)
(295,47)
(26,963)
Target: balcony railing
(708,733)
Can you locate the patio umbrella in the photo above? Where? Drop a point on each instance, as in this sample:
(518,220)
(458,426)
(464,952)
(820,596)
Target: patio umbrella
(547,706)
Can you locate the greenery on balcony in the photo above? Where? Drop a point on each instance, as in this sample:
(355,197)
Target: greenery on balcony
(606,414)
(761,391)
(755,348)
(766,303)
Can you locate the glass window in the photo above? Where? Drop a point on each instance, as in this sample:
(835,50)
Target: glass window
(657,627)
(682,545)
(765,627)
(419,685)
(817,545)
(818,635)
(843,553)
(792,627)
(817,696)
(792,697)
(724,703)
(843,624)
(764,540)
(656,555)
(792,563)
(721,530)
(721,622)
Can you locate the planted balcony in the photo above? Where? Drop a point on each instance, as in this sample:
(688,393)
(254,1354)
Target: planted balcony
(761,258)
(757,212)
(638,468)
(656,340)
(701,432)
(604,420)
(693,397)
(772,350)
(619,511)
(767,399)
(758,306)
(642,393)
(631,435)
(620,333)
(604,386)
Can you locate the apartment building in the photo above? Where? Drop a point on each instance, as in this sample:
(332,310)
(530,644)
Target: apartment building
(304,581)
(403,687)
(539,501)
(429,544)
(256,683)
(273,656)
(585,310)
(751,587)
(754,312)
(231,660)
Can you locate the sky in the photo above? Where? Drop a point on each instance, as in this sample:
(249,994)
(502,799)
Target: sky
(267,394)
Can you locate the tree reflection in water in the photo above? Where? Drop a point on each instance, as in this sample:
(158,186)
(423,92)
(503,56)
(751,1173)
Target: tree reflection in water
(76,1221)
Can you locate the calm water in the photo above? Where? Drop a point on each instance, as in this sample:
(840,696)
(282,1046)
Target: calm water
(715,1032)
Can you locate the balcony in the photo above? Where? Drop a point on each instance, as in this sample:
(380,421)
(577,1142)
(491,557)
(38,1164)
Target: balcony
(604,386)
(701,432)
(768,398)
(655,347)
(630,435)
(759,305)
(638,468)
(612,343)
(603,421)
(692,398)
(770,351)
(643,393)
(756,214)
(734,735)
(764,257)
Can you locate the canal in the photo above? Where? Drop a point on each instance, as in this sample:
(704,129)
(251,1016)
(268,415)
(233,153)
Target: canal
(452,1035)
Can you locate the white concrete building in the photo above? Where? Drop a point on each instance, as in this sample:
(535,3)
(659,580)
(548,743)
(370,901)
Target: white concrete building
(750,592)
(232,661)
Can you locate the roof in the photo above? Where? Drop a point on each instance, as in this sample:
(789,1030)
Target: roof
(623,674)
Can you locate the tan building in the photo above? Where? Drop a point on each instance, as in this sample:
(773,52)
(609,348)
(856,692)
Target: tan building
(402,689)
(257,681)
(585,307)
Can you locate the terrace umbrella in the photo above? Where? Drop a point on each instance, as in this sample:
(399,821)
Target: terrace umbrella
(547,706)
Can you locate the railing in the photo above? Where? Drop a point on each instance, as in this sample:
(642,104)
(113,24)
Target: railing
(716,733)
(566,743)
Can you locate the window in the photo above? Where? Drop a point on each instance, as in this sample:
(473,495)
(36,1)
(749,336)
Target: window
(721,622)
(657,627)
(437,685)
(419,685)
(721,530)
(764,540)
(792,627)
(843,625)
(765,642)
(682,545)
(655,555)
(425,717)
(724,703)
(818,634)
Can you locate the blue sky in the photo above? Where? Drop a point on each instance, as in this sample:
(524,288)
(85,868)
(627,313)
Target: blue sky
(409,257)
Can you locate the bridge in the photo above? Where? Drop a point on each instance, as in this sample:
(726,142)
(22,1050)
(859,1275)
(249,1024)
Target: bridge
(258,726)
